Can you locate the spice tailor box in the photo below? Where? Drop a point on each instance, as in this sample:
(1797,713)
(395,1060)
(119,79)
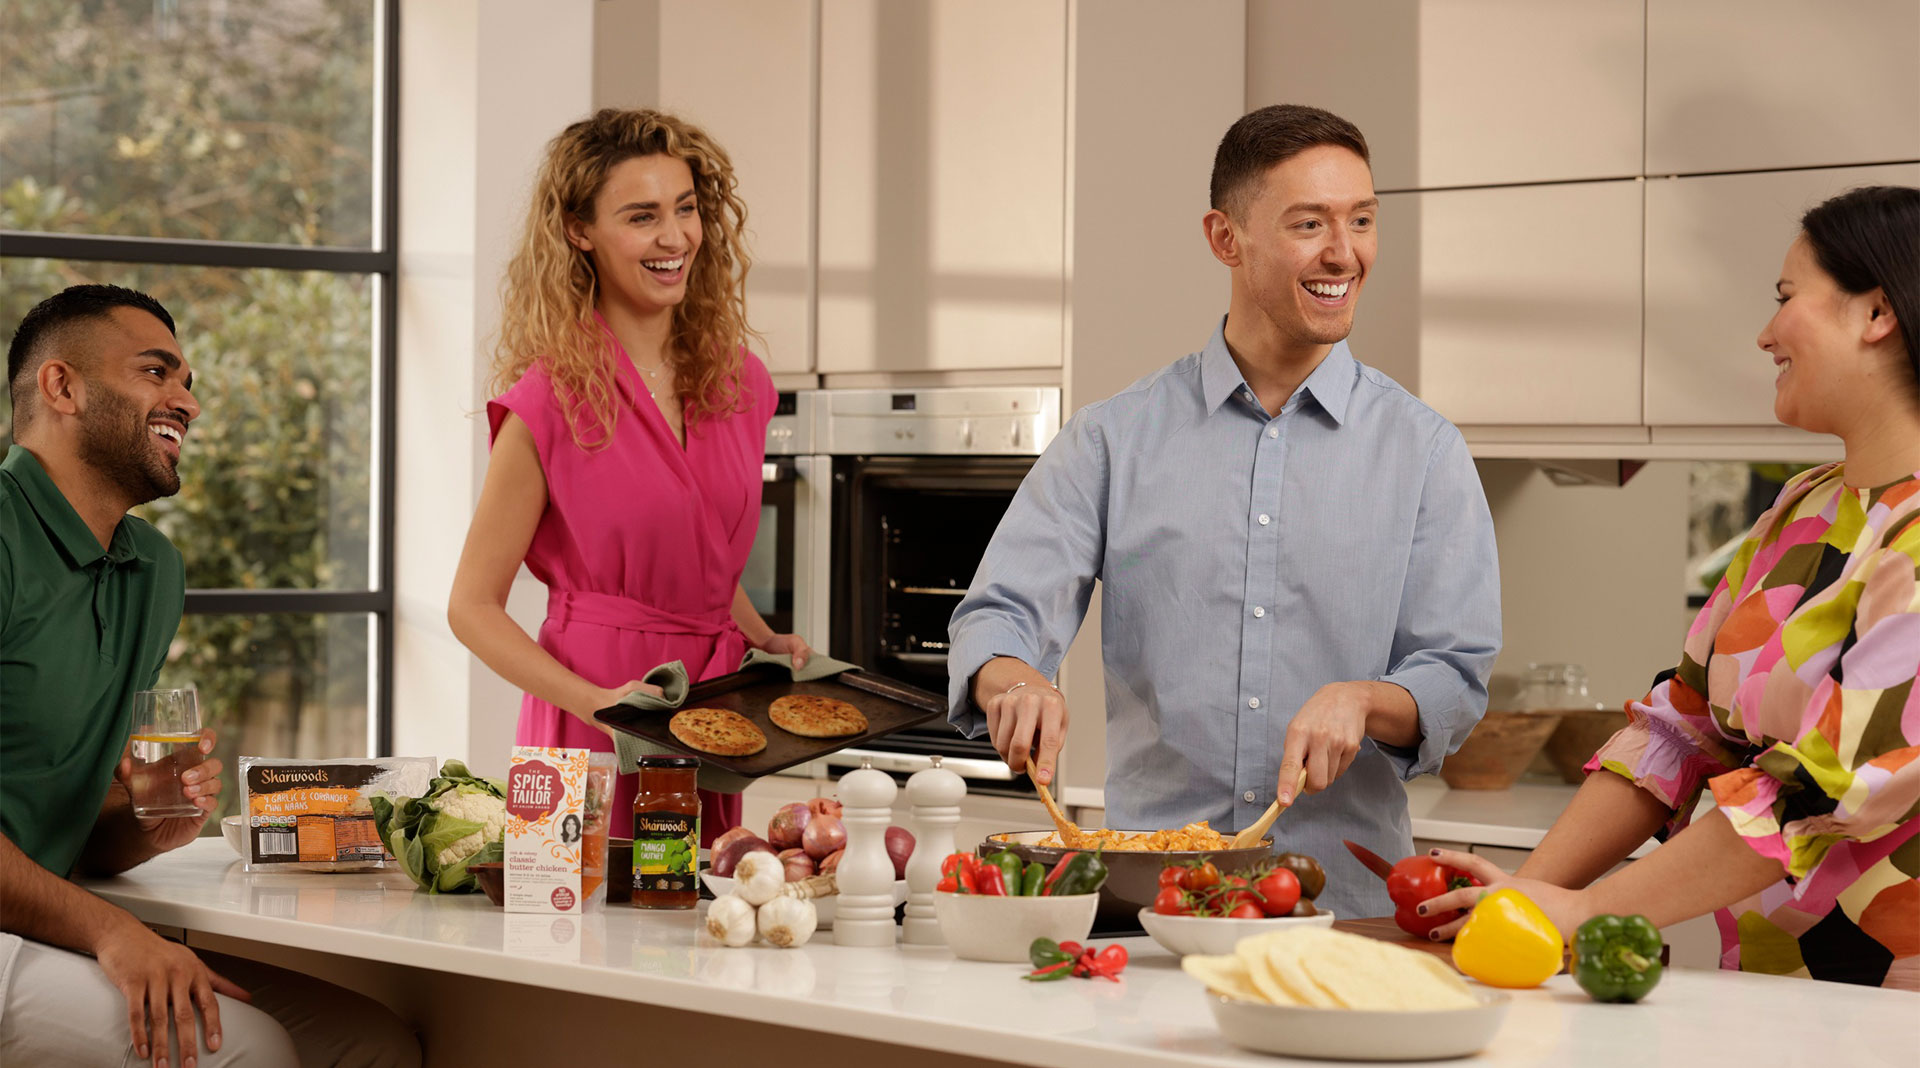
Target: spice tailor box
(545,835)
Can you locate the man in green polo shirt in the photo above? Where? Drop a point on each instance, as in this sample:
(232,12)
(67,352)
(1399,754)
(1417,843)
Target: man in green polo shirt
(90,598)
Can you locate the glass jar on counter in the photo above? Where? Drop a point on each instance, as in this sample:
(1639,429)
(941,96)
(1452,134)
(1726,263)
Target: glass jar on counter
(1555,687)
(666,834)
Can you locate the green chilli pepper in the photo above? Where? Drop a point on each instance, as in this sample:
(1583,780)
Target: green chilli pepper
(1077,873)
(1033,879)
(1011,872)
(1617,958)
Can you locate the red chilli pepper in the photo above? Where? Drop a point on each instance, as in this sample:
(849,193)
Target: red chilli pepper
(1050,972)
(1109,962)
(989,880)
(948,885)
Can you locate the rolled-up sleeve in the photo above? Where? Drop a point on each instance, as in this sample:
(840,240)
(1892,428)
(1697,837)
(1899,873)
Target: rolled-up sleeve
(1448,631)
(1030,594)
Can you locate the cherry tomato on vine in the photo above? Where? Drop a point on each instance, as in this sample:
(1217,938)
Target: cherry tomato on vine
(1280,890)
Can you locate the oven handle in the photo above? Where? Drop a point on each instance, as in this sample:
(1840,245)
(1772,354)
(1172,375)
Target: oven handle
(778,470)
(964,767)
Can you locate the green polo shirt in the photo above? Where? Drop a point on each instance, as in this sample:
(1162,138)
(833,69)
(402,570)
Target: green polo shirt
(81,629)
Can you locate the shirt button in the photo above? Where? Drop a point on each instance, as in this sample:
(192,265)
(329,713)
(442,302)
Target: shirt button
(1265,519)
(1253,702)
(1273,431)
(1247,797)
(1258,612)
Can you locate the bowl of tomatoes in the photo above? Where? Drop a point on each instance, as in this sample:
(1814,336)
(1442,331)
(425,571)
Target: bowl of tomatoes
(1201,909)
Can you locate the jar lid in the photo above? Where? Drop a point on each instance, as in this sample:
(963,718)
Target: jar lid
(665,761)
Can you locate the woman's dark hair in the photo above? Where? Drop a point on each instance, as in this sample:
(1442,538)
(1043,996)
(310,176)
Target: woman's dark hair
(1870,238)
(1270,135)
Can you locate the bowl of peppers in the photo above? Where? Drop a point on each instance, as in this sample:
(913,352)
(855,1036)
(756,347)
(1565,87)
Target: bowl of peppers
(994,907)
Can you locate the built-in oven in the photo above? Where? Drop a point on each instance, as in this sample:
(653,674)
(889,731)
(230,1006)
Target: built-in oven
(920,480)
(789,567)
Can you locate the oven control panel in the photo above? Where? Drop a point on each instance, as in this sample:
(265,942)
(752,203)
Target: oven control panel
(997,421)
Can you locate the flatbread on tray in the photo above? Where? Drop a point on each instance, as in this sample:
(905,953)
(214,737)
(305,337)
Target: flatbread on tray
(718,731)
(816,717)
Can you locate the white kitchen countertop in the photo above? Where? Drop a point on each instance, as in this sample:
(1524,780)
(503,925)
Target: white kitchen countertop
(925,998)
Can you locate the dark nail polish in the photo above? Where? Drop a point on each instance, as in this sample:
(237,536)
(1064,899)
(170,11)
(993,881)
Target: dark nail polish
(1421,911)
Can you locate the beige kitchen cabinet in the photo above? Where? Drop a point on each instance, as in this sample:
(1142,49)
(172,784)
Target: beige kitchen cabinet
(942,180)
(1714,248)
(1515,306)
(1752,84)
(744,71)
(1463,92)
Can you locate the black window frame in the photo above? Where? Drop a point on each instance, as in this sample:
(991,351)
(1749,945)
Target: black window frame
(381,262)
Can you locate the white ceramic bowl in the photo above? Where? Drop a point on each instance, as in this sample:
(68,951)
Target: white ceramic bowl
(986,927)
(1356,1035)
(234,830)
(722,885)
(1217,935)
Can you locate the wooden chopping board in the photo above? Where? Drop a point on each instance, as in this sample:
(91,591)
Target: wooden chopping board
(1384,929)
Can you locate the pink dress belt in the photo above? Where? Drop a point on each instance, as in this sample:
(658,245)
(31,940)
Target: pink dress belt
(624,613)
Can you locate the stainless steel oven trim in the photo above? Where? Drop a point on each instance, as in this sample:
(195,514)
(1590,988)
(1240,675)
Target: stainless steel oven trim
(813,549)
(907,763)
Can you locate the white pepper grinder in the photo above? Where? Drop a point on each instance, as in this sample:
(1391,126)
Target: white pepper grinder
(864,916)
(935,794)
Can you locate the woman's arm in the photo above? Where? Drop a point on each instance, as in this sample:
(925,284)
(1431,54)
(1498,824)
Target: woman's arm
(511,502)
(761,636)
(1608,819)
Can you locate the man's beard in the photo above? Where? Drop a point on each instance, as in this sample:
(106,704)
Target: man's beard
(115,441)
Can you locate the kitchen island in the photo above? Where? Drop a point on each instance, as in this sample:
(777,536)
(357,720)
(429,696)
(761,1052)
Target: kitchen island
(489,988)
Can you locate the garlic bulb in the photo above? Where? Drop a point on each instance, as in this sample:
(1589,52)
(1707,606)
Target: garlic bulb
(788,921)
(730,920)
(758,877)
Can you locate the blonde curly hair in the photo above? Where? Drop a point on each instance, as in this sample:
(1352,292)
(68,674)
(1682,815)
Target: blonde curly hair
(548,296)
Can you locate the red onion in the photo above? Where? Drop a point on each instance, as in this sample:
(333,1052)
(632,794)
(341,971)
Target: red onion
(724,859)
(831,862)
(824,806)
(799,865)
(728,838)
(824,834)
(899,847)
(788,824)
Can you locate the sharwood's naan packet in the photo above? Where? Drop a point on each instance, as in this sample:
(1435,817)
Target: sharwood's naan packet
(317,815)
(1320,968)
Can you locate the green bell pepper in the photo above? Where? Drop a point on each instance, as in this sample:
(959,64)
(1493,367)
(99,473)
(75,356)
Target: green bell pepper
(1617,958)
(1011,871)
(1077,873)
(1034,877)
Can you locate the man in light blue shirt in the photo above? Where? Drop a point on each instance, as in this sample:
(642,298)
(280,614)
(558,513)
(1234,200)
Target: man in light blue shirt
(1296,557)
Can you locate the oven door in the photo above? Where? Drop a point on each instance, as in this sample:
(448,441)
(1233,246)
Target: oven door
(786,572)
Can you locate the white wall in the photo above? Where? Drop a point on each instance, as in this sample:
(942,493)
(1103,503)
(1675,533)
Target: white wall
(483,87)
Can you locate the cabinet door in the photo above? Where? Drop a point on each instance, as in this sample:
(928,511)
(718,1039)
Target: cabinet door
(942,184)
(743,70)
(1517,305)
(1753,84)
(1463,92)
(1714,247)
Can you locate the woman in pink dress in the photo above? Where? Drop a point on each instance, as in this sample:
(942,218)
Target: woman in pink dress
(628,435)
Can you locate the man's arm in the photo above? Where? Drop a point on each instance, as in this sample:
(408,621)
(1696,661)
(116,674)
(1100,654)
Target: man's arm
(1028,599)
(120,840)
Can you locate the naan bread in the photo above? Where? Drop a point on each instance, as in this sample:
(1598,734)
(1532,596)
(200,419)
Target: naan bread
(816,717)
(717,731)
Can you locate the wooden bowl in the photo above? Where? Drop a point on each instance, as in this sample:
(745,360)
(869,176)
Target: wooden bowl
(1499,749)
(1581,733)
(1133,877)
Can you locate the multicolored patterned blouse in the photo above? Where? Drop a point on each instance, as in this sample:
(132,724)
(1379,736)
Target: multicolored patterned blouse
(1795,703)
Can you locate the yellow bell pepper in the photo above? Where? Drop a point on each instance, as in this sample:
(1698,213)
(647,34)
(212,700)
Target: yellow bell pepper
(1509,942)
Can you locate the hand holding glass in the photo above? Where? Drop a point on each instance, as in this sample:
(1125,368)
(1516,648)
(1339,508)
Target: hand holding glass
(166,742)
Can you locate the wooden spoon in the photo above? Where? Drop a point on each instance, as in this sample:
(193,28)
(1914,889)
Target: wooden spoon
(1251,836)
(1069,834)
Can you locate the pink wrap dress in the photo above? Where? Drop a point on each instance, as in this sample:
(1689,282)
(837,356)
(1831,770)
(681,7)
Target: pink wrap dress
(641,548)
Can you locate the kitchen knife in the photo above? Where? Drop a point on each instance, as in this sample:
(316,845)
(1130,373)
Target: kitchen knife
(1368,858)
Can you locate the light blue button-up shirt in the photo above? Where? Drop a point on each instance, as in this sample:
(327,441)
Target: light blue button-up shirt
(1247,559)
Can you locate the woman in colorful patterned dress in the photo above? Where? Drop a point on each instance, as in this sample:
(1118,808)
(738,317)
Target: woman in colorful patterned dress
(1795,700)
(628,435)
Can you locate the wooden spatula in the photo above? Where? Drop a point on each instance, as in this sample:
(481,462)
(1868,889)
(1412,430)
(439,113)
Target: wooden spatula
(1252,835)
(1069,834)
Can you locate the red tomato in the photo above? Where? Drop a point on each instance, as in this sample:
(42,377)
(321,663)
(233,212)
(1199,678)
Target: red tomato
(1235,891)
(1170,902)
(1203,876)
(1281,890)
(1247,911)
(1174,877)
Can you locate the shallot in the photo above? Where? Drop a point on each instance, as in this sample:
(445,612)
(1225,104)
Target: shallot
(799,865)
(899,848)
(788,824)
(824,806)
(731,920)
(831,862)
(758,877)
(825,834)
(788,921)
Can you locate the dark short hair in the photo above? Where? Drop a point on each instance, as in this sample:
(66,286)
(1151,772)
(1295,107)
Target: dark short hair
(1271,135)
(1867,239)
(71,305)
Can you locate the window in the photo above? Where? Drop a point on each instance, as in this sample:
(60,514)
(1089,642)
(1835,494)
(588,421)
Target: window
(237,162)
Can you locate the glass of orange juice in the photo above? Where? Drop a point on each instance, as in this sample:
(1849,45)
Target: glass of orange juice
(166,742)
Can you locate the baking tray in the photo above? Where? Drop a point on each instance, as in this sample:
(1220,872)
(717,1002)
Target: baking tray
(888,705)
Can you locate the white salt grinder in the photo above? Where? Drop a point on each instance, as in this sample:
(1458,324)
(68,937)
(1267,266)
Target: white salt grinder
(864,916)
(935,794)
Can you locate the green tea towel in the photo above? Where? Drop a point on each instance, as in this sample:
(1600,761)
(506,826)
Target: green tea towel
(671,677)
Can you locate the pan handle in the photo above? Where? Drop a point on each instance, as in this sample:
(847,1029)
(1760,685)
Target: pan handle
(910,762)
